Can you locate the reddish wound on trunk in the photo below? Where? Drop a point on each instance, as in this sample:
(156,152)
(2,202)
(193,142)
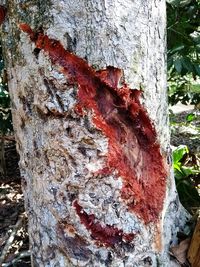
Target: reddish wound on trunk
(107,235)
(133,149)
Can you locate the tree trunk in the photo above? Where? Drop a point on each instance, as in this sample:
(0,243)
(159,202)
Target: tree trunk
(94,153)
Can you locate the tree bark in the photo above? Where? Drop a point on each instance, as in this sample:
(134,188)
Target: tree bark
(94,153)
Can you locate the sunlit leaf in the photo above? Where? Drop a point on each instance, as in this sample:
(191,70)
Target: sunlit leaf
(178,153)
(190,117)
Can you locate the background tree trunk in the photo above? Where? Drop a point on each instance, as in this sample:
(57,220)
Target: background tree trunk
(96,177)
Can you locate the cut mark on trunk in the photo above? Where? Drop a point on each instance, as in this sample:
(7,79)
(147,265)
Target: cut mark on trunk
(107,235)
(133,149)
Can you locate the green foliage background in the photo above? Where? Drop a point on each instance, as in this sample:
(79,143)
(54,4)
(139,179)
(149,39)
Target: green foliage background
(183,47)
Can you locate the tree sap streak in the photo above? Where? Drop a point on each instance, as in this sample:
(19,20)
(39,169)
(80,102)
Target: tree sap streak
(2,14)
(133,149)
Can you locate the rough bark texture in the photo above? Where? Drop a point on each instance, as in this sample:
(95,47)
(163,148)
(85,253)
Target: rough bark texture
(94,154)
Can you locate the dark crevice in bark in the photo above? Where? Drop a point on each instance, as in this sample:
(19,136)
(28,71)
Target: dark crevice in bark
(36,52)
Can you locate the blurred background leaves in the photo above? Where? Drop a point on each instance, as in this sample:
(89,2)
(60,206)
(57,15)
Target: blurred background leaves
(183,47)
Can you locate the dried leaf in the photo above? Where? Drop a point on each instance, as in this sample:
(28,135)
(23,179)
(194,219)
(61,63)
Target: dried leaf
(180,251)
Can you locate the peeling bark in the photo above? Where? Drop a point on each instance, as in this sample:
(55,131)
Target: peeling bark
(93,151)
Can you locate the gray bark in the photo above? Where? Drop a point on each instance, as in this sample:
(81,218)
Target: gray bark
(129,35)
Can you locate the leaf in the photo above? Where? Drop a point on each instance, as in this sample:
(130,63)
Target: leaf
(187,64)
(179,152)
(180,251)
(179,176)
(190,117)
(188,194)
(176,48)
(189,171)
(178,65)
(181,3)
(177,166)
(184,2)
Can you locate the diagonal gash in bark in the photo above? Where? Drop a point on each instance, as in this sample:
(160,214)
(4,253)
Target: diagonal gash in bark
(133,148)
